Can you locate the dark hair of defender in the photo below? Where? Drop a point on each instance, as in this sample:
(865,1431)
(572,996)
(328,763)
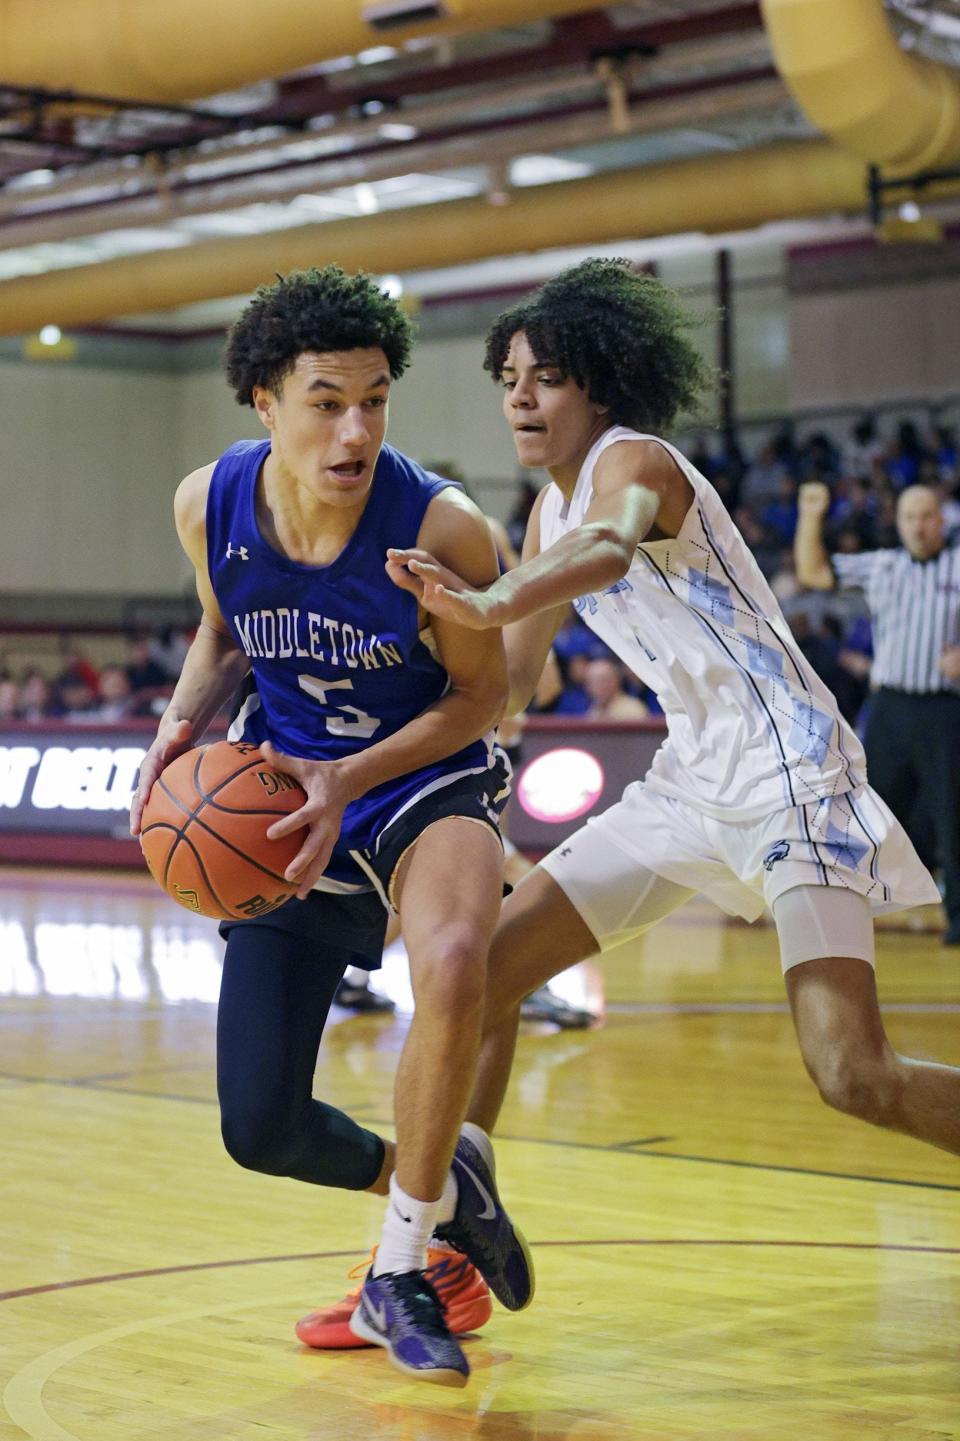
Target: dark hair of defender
(620,334)
(312,310)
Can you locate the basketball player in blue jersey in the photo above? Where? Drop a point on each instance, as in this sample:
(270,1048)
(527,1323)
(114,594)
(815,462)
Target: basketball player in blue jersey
(759,794)
(387,723)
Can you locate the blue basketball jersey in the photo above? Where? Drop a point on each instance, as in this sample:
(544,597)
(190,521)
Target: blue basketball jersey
(337,661)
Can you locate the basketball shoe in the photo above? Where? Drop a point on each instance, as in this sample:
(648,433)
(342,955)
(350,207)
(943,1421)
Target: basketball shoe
(402,1312)
(481,1228)
(462,1291)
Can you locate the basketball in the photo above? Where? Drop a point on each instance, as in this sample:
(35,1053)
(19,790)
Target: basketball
(204,831)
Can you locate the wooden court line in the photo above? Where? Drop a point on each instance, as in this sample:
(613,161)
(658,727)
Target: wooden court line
(622,1148)
(111,1277)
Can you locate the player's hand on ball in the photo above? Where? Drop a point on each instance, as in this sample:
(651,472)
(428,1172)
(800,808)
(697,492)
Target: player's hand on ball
(327,799)
(173,738)
(814,498)
(441,592)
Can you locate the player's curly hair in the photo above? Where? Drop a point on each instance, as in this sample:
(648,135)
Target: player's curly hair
(621,335)
(320,310)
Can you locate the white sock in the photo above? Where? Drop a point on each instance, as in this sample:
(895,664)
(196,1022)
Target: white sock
(447,1204)
(407,1228)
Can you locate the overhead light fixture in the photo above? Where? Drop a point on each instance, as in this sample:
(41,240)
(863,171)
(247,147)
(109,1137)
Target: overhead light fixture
(397,130)
(366,198)
(391,285)
(376,54)
(394,14)
(50,344)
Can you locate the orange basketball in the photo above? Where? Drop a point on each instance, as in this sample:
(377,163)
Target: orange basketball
(204,831)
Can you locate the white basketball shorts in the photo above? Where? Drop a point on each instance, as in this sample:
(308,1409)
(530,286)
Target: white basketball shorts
(646,855)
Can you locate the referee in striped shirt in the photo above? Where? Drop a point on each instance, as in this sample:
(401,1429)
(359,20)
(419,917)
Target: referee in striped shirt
(912,739)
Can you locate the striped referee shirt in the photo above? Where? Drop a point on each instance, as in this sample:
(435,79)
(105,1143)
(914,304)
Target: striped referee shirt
(915,610)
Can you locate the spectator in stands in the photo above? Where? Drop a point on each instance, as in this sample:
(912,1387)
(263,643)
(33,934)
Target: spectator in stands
(864,450)
(75,660)
(116,694)
(9,698)
(573,699)
(609,701)
(767,556)
(169,648)
(906,455)
(819,459)
(945,454)
(38,701)
(764,477)
(77,697)
(143,671)
(779,515)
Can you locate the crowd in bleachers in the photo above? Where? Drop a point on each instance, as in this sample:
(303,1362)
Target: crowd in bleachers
(865,474)
(74,686)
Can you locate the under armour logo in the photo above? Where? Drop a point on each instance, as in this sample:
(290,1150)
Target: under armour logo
(779,853)
(240,550)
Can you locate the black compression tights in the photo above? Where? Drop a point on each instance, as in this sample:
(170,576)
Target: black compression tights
(274,998)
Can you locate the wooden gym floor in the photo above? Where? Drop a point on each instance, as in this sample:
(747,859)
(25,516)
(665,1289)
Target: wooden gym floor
(718,1255)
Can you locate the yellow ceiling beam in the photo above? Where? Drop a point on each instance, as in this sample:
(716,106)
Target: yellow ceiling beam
(713,194)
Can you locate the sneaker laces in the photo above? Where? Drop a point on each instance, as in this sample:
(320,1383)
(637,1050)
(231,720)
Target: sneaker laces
(441,1275)
(358,1273)
(420,1301)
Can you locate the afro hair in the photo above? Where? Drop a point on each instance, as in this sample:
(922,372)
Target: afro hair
(619,334)
(312,310)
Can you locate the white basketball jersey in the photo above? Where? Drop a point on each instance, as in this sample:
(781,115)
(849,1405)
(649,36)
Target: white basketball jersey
(751,727)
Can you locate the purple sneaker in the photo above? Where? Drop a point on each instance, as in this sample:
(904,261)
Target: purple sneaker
(401,1312)
(481,1228)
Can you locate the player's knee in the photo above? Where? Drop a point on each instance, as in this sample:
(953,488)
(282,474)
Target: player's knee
(451,974)
(863,1086)
(256,1141)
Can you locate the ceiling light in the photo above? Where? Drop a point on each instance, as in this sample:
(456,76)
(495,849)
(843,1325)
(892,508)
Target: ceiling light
(376,54)
(29,178)
(397,130)
(51,335)
(391,285)
(366,198)
(910,211)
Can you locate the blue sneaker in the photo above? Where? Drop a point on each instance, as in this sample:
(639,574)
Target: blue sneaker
(401,1312)
(481,1228)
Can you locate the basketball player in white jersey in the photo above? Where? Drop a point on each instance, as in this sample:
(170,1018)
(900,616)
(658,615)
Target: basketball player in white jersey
(758,797)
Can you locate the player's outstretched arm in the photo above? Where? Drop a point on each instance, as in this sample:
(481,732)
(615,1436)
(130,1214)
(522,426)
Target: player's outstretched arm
(635,484)
(214,665)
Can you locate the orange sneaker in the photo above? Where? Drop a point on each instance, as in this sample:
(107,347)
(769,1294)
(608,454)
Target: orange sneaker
(462,1291)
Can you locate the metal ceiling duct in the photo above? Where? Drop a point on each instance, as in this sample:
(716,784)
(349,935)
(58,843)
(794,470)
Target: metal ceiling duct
(846,69)
(712,194)
(182,49)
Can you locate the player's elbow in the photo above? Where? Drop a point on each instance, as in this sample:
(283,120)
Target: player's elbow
(489,696)
(617,547)
(813,578)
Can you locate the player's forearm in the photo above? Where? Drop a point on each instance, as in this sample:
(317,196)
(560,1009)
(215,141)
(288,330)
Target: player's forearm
(444,728)
(810,555)
(588,559)
(212,670)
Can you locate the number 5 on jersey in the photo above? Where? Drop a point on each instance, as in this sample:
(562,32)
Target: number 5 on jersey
(355,722)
